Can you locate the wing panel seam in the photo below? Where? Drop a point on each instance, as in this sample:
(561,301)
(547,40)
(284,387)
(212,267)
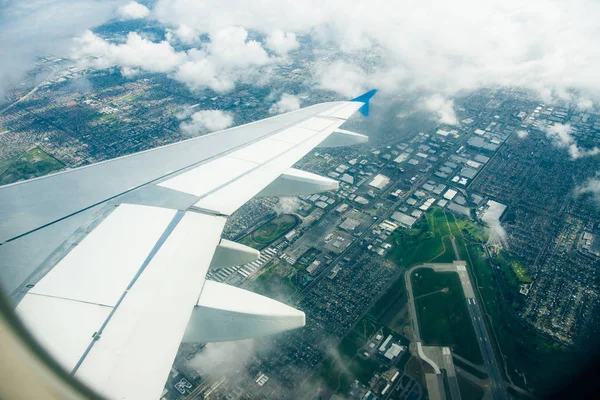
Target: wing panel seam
(161,240)
(69,299)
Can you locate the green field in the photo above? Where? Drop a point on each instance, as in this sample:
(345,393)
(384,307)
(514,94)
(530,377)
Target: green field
(442,312)
(31,164)
(514,274)
(270,231)
(427,241)
(521,272)
(474,231)
(273,283)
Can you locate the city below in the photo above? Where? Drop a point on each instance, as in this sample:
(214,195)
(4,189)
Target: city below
(456,261)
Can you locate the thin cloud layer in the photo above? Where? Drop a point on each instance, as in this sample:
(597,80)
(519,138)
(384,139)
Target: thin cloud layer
(522,134)
(287,102)
(38,28)
(590,187)
(206,121)
(562,137)
(342,77)
(282,42)
(400,48)
(444,109)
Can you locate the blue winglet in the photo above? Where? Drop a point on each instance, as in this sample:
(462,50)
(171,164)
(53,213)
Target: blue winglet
(364,98)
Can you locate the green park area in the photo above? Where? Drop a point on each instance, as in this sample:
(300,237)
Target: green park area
(521,272)
(275,280)
(31,164)
(513,269)
(430,239)
(270,231)
(427,241)
(442,312)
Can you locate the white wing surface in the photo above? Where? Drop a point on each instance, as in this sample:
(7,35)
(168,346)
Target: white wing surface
(108,262)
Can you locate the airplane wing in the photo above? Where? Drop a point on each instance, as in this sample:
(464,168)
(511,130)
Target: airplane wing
(107,262)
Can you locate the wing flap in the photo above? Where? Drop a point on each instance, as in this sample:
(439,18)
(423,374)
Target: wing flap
(134,352)
(263,151)
(226,313)
(209,176)
(295,182)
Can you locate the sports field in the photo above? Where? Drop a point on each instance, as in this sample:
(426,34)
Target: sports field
(270,231)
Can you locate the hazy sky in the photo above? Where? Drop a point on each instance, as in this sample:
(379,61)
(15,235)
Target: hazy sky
(432,47)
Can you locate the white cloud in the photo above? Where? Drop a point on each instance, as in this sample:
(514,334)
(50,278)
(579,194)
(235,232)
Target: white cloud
(136,53)
(443,108)
(223,359)
(522,134)
(282,42)
(591,187)
(577,152)
(287,205)
(287,102)
(492,219)
(201,73)
(441,48)
(229,46)
(562,137)
(184,34)
(228,57)
(133,10)
(561,134)
(206,121)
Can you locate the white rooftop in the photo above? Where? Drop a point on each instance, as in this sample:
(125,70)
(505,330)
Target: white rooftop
(450,193)
(380,181)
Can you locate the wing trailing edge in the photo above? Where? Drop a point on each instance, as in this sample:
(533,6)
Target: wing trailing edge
(225,313)
(295,182)
(230,254)
(342,137)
